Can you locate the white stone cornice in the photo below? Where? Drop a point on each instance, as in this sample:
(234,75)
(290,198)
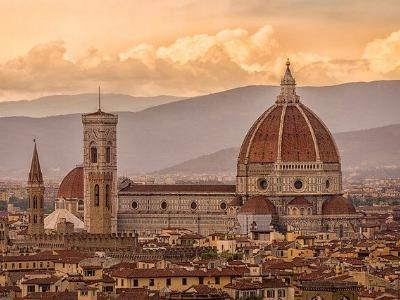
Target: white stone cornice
(280,133)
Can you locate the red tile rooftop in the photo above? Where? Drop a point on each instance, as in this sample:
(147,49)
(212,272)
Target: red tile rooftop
(156,273)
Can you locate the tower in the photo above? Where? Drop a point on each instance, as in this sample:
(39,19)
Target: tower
(35,189)
(100,171)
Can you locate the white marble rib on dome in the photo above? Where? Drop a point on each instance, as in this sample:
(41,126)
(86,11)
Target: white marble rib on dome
(51,221)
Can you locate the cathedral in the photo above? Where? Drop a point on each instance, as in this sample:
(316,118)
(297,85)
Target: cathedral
(288,178)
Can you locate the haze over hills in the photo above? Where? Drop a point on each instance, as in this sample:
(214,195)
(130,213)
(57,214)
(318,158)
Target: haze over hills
(169,134)
(363,149)
(80,103)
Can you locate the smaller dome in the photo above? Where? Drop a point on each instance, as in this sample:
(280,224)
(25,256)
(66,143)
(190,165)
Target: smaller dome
(300,201)
(338,205)
(258,205)
(72,185)
(237,201)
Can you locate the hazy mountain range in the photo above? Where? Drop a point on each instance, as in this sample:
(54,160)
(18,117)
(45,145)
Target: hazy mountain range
(364,149)
(81,103)
(169,134)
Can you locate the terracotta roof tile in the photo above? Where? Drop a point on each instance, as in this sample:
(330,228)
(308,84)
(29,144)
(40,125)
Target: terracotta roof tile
(338,205)
(72,185)
(258,205)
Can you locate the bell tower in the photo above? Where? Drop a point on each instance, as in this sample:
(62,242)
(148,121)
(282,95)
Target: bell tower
(35,190)
(100,171)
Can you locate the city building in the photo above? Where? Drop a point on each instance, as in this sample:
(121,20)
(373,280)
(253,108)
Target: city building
(289,162)
(288,178)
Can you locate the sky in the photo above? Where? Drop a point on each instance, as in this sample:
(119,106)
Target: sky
(187,47)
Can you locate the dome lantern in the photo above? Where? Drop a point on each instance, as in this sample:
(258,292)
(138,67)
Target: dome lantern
(288,87)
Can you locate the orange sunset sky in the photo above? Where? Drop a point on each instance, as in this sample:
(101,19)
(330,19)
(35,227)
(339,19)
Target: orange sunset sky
(188,47)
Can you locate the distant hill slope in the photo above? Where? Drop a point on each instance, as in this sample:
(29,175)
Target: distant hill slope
(364,149)
(165,135)
(223,161)
(80,103)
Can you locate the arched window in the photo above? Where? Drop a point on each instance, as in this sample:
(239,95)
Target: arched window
(34,202)
(93,154)
(41,202)
(108,154)
(80,205)
(96,195)
(108,196)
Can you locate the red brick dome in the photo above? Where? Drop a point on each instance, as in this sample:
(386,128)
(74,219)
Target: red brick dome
(237,201)
(292,133)
(300,201)
(258,205)
(72,185)
(288,132)
(338,205)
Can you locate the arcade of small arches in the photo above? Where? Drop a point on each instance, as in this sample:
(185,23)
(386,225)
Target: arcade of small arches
(302,211)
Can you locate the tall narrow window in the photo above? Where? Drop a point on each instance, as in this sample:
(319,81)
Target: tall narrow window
(35,219)
(96,195)
(81,205)
(41,202)
(108,196)
(108,154)
(34,202)
(93,154)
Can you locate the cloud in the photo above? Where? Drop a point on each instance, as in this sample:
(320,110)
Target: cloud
(190,65)
(383,55)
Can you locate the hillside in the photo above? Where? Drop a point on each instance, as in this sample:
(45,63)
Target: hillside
(169,134)
(365,149)
(81,103)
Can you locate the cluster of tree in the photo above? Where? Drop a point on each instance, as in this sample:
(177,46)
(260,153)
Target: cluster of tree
(229,256)
(3,205)
(373,201)
(18,202)
(210,254)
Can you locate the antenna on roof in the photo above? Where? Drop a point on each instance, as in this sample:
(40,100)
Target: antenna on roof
(99,100)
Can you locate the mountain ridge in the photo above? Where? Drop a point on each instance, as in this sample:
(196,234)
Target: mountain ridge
(165,135)
(225,160)
(56,105)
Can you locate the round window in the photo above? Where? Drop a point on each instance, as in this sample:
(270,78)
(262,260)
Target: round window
(223,205)
(164,205)
(327,184)
(262,184)
(298,184)
(134,205)
(193,205)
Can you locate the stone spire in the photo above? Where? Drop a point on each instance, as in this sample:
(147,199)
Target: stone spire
(35,174)
(288,87)
(35,190)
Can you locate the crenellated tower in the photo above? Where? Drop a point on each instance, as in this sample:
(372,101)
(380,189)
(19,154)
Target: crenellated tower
(100,171)
(35,190)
